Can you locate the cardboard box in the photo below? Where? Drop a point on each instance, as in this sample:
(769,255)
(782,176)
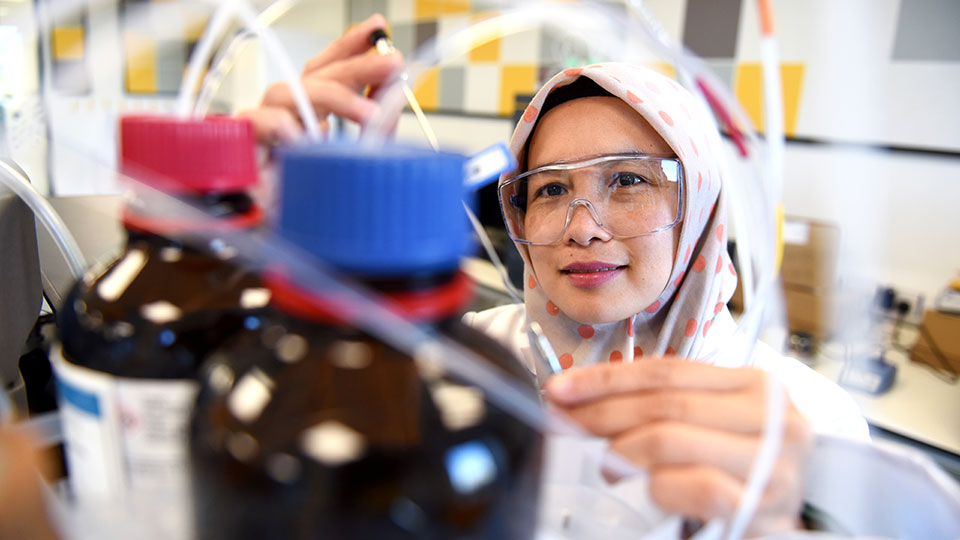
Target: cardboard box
(809,254)
(810,310)
(944,329)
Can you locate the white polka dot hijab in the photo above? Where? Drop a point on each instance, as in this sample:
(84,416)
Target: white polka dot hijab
(702,278)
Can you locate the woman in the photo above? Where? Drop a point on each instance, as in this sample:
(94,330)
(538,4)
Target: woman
(626,271)
(625,303)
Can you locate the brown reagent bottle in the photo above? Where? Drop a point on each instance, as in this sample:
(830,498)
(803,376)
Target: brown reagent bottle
(310,428)
(134,333)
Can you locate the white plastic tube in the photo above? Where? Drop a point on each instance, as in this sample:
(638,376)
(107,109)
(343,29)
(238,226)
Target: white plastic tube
(13,178)
(764,461)
(201,55)
(223,62)
(307,114)
(773,115)
(580,21)
(492,253)
(252,23)
(67,8)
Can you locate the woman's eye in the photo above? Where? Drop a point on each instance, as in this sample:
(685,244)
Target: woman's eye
(625,179)
(551,190)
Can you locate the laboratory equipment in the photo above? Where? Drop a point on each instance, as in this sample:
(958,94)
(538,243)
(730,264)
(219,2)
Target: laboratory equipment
(20,275)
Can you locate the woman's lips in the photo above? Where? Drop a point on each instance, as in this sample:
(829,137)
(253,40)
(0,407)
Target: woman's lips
(591,273)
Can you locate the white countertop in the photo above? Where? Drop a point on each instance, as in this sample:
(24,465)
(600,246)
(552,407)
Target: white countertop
(920,405)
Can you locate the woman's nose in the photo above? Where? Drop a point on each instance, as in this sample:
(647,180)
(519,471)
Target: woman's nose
(583,224)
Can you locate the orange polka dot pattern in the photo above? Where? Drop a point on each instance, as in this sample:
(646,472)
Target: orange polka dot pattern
(530,114)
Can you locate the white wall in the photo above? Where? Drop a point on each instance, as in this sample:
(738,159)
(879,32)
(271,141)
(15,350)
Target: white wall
(853,87)
(899,213)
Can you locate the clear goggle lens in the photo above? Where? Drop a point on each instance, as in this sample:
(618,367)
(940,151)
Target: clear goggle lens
(627,194)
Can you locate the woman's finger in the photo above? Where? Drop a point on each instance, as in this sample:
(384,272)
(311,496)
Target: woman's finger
(728,411)
(695,491)
(358,72)
(706,493)
(354,41)
(326,96)
(274,125)
(672,443)
(712,486)
(589,383)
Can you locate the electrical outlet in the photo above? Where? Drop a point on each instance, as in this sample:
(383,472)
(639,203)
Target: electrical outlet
(913,299)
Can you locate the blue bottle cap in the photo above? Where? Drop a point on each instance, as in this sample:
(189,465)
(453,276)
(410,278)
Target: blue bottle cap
(375,212)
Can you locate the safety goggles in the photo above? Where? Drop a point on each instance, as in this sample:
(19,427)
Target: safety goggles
(627,195)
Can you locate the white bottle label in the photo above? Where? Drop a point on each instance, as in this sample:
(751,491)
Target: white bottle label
(123,435)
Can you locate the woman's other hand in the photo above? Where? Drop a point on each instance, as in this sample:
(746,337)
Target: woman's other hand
(696,428)
(22,510)
(334,81)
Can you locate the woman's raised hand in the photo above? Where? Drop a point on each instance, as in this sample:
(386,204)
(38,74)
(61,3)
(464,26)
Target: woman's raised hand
(696,428)
(334,80)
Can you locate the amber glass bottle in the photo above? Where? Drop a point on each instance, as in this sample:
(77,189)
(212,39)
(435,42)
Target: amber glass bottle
(312,428)
(134,332)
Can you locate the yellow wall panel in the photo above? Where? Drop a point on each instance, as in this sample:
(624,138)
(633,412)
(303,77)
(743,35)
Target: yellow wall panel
(141,73)
(67,42)
(748,86)
(488,52)
(431,9)
(515,79)
(792,75)
(426,89)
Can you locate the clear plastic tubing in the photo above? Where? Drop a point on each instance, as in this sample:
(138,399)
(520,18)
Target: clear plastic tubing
(13,178)
(223,63)
(204,51)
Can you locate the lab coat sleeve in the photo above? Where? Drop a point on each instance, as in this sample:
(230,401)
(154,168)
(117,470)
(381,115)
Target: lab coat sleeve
(506,324)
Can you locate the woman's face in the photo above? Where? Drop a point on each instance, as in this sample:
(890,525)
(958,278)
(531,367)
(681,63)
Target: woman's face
(591,276)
